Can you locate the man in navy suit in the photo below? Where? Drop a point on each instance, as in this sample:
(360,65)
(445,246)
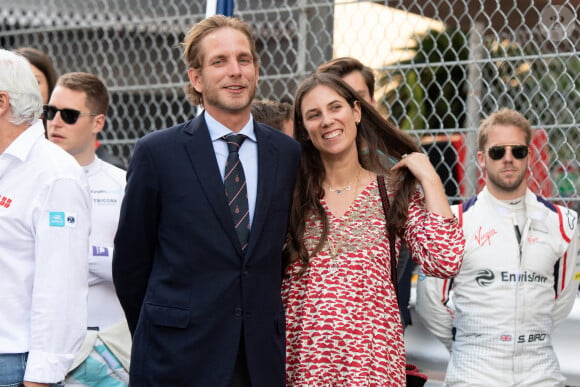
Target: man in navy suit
(202,297)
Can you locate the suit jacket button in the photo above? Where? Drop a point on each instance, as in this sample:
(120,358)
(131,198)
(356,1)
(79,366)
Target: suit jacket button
(245,271)
(238,312)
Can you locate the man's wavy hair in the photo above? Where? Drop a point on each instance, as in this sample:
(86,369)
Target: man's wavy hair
(97,95)
(193,53)
(506,117)
(378,134)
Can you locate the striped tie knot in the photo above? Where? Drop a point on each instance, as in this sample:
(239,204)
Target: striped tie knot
(234,141)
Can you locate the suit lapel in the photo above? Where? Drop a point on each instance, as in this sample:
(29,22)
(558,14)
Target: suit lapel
(200,150)
(266,178)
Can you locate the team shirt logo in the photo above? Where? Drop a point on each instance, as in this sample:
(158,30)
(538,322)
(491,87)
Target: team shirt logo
(485,277)
(60,219)
(100,251)
(5,201)
(56,219)
(532,240)
(483,237)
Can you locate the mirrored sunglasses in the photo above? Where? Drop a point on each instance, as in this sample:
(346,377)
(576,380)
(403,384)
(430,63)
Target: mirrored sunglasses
(497,152)
(69,116)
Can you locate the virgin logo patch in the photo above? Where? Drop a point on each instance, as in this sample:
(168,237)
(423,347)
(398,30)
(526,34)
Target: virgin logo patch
(532,240)
(483,237)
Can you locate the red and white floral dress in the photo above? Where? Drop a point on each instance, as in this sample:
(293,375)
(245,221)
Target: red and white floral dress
(343,326)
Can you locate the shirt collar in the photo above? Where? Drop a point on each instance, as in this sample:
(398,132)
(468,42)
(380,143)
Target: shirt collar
(533,209)
(93,166)
(21,146)
(218,130)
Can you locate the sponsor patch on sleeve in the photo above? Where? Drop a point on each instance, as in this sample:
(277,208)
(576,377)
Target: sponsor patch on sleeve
(56,219)
(71,220)
(60,219)
(100,251)
(577,276)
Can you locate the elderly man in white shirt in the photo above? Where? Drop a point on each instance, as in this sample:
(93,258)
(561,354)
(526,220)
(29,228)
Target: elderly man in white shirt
(44,232)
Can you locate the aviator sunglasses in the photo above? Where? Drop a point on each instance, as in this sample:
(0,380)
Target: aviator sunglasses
(69,116)
(497,152)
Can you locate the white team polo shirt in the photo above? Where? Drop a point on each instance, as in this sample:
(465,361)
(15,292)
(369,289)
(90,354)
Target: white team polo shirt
(44,238)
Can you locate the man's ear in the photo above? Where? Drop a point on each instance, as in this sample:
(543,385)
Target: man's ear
(195,79)
(481,160)
(4,102)
(98,123)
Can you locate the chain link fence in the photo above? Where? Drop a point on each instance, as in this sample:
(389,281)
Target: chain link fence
(441,67)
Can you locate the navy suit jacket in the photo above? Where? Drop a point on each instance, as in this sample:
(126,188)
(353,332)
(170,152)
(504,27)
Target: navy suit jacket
(186,288)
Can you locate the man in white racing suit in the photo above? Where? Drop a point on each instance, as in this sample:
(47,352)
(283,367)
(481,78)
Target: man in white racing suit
(519,275)
(75,114)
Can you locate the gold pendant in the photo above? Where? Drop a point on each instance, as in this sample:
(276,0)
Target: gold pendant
(339,190)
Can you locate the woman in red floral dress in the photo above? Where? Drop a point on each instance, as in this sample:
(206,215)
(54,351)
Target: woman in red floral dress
(343,325)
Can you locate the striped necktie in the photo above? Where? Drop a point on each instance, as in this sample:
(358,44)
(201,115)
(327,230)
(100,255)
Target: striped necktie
(235,186)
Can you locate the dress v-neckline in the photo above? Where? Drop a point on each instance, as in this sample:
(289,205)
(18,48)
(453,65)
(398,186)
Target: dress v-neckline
(351,207)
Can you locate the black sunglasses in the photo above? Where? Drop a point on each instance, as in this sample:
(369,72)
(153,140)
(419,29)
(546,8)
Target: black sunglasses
(69,116)
(497,152)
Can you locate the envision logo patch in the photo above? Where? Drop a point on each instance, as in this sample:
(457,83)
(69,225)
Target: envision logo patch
(485,278)
(523,277)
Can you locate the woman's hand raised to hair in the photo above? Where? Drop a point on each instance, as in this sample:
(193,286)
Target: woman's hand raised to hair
(420,166)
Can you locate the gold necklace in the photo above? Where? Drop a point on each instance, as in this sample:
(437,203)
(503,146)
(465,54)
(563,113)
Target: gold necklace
(340,190)
(334,248)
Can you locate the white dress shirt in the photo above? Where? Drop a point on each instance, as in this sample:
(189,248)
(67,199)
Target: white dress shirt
(248,155)
(44,234)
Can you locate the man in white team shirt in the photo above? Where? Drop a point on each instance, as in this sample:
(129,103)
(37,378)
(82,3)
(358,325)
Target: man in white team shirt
(75,114)
(519,273)
(44,237)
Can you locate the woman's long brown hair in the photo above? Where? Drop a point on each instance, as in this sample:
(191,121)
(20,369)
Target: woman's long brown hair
(375,136)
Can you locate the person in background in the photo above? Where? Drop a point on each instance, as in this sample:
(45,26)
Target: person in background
(42,68)
(198,252)
(276,114)
(75,115)
(362,80)
(519,275)
(46,75)
(44,238)
(358,76)
(343,324)
(44,72)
